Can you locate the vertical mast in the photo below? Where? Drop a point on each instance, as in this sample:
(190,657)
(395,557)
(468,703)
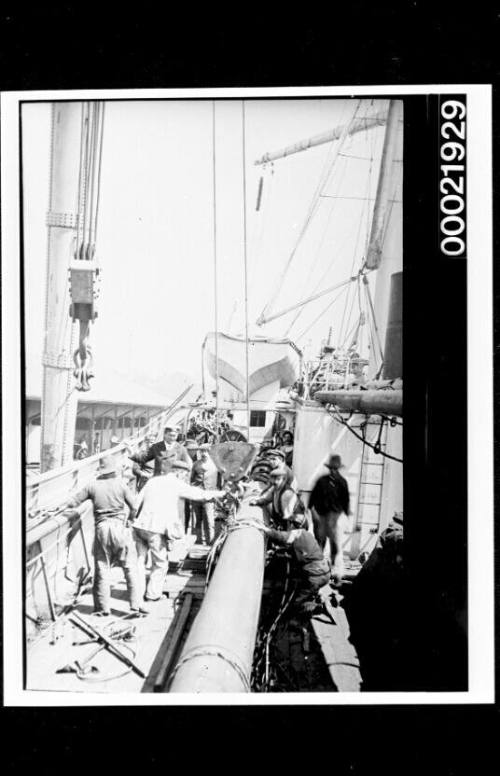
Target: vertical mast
(385,247)
(59,397)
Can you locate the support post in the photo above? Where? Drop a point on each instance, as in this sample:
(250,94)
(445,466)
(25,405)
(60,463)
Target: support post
(59,397)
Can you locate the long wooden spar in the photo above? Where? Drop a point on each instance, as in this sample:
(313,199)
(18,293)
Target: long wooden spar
(218,654)
(358,125)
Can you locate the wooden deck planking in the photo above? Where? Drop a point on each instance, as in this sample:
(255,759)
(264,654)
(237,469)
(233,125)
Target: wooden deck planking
(332,632)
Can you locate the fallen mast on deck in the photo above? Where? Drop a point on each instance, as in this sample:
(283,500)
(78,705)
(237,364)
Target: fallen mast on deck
(218,653)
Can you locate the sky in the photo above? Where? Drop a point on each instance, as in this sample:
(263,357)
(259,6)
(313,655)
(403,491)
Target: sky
(156,235)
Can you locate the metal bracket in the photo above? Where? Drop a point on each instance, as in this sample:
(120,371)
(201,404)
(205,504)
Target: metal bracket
(64,220)
(58,360)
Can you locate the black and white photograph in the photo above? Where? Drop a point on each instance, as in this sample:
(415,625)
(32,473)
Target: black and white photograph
(247,355)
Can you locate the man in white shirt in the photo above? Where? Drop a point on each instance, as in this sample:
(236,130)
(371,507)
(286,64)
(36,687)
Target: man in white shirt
(158,522)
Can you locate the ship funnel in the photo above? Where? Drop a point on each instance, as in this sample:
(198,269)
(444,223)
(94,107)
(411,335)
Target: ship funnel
(393,353)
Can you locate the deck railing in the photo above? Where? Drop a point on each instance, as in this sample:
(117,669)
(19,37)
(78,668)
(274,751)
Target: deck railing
(59,547)
(45,492)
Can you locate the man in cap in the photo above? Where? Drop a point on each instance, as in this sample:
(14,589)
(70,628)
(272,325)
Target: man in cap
(158,523)
(204,475)
(160,450)
(329,500)
(275,459)
(113,542)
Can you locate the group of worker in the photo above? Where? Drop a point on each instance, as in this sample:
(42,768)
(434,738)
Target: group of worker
(291,522)
(130,526)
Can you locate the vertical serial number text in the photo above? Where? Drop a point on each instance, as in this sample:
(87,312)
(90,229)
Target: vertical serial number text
(452,178)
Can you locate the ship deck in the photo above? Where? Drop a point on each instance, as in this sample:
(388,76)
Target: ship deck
(151,645)
(325,660)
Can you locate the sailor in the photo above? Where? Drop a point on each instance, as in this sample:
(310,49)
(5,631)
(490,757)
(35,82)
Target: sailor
(113,542)
(158,523)
(282,499)
(311,567)
(144,472)
(276,459)
(192,430)
(192,448)
(287,447)
(329,501)
(160,450)
(204,475)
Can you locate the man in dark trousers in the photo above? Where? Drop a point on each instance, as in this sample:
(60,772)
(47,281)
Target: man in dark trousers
(164,449)
(328,502)
(311,567)
(114,507)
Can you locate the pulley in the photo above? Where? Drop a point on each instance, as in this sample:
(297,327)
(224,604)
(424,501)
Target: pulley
(83,287)
(84,276)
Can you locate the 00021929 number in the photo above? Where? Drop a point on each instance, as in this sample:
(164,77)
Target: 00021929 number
(452,180)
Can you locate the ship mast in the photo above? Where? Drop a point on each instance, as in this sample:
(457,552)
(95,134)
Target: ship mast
(76,149)
(59,397)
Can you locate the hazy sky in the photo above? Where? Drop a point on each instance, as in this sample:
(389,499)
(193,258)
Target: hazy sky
(156,228)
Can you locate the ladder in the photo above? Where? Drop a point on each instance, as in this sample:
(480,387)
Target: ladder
(369,498)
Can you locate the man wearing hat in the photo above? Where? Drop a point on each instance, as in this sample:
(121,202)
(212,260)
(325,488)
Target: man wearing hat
(144,472)
(328,502)
(204,475)
(160,450)
(113,542)
(158,523)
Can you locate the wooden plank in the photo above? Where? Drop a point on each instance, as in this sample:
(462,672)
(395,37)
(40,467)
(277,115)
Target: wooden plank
(332,631)
(169,648)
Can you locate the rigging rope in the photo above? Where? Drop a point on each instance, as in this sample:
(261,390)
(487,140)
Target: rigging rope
(245,262)
(89,182)
(330,304)
(316,258)
(261,229)
(312,208)
(216,314)
(334,413)
(335,197)
(370,303)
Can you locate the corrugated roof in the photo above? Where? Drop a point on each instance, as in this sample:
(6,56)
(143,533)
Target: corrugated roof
(107,387)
